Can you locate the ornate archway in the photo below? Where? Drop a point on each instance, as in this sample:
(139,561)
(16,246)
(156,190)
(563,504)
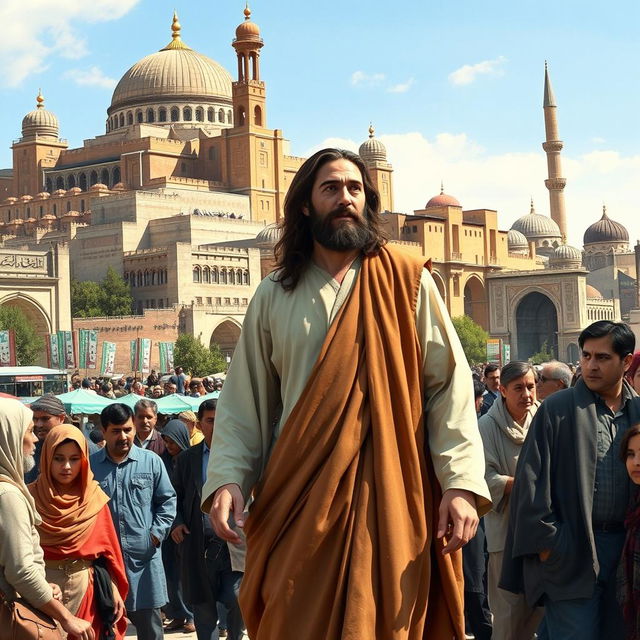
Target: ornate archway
(226,336)
(442,290)
(475,301)
(34,314)
(536,325)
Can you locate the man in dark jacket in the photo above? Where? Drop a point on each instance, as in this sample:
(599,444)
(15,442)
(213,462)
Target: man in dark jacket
(570,494)
(145,417)
(210,572)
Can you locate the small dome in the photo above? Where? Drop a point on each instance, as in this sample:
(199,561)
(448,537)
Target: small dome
(47,218)
(442,200)
(248,30)
(270,235)
(18,221)
(74,190)
(517,242)
(40,122)
(98,186)
(592,292)
(605,230)
(535,225)
(43,195)
(118,187)
(10,200)
(71,214)
(565,257)
(26,198)
(372,150)
(58,193)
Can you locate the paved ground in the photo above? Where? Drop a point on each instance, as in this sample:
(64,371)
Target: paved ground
(173,635)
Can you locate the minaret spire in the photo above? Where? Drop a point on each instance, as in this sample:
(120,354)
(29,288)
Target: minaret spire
(552,146)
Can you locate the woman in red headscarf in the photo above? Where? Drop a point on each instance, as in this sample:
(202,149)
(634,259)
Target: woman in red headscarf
(81,550)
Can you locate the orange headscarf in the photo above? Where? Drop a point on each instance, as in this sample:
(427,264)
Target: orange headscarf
(67,518)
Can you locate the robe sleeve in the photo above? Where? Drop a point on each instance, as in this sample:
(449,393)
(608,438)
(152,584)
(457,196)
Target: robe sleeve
(452,426)
(248,406)
(532,521)
(496,480)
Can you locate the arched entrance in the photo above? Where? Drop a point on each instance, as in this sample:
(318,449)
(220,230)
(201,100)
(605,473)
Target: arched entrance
(537,325)
(475,301)
(35,316)
(437,278)
(573,353)
(226,336)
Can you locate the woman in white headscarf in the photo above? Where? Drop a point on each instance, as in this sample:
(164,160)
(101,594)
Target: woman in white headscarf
(22,569)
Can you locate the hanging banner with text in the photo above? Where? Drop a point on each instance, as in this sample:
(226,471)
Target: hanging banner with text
(144,355)
(53,351)
(165,350)
(7,348)
(88,348)
(67,349)
(108,362)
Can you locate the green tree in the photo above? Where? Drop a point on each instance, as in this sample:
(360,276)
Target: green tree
(29,345)
(473,338)
(544,355)
(195,358)
(112,297)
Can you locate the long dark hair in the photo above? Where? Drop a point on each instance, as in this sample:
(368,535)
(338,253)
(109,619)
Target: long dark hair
(293,250)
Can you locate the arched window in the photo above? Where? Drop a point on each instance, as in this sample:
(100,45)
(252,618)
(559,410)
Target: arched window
(68,205)
(104,177)
(175,114)
(151,116)
(71,182)
(223,276)
(206,275)
(93,179)
(199,114)
(229,116)
(239,277)
(221,115)
(232,276)
(83,181)
(214,275)
(116,175)
(28,212)
(153,277)
(211,115)
(187,114)
(122,119)
(55,209)
(257,116)
(162,115)
(59,183)
(82,205)
(48,185)
(129,117)
(139,278)
(242,116)
(41,211)
(196,274)
(139,116)
(166,279)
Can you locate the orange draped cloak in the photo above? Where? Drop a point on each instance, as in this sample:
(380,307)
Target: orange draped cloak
(340,538)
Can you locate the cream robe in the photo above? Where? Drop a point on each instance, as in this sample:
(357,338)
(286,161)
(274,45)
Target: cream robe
(282,335)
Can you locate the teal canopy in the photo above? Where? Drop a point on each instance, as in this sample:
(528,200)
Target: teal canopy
(83,401)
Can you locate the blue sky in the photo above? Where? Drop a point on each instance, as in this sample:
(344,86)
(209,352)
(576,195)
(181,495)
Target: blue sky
(454,89)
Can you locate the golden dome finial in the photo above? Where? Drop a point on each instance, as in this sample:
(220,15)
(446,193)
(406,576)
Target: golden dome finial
(175,26)
(441,187)
(532,210)
(40,100)
(371,130)
(247,11)
(176,40)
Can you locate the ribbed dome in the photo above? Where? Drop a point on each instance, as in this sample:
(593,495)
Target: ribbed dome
(605,230)
(372,150)
(248,30)
(565,257)
(517,242)
(442,200)
(592,292)
(270,235)
(535,225)
(40,122)
(175,72)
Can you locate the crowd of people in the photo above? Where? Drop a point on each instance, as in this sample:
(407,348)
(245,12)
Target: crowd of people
(104,528)
(558,556)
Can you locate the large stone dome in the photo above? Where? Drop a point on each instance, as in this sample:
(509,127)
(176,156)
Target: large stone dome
(174,77)
(535,226)
(40,122)
(605,231)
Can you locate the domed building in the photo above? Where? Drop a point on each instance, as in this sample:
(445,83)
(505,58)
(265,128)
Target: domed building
(539,229)
(565,257)
(374,155)
(517,242)
(603,239)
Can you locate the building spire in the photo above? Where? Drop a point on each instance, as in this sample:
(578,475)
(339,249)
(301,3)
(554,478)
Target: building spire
(371,130)
(531,209)
(552,145)
(441,187)
(40,100)
(176,40)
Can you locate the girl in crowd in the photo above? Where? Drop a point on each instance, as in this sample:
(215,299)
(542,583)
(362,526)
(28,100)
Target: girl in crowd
(633,373)
(81,550)
(176,440)
(629,574)
(503,429)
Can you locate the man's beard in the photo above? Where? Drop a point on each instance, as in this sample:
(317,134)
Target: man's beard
(28,463)
(347,235)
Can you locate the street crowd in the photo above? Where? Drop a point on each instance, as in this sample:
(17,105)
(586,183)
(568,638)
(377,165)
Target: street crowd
(99,530)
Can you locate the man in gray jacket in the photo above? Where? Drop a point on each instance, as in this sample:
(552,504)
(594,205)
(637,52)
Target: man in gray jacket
(566,524)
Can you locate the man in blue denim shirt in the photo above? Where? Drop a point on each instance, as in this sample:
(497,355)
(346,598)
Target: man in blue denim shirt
(143,506)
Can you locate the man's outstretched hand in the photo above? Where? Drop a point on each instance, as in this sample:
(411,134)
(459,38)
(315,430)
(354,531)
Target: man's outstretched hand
(227,499)
(457,518)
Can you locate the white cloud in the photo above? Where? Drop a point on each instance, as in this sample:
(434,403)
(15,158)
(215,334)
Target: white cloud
(469,73)
(505,182)
(37,29)
(92,77)
(402,87)
(362,79)
(598,140)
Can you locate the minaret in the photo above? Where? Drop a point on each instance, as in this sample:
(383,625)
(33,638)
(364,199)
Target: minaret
(552,146)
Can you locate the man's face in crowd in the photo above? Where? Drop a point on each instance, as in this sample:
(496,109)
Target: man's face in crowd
(206,425)
(119,439)
(547,384)
(157,393)
(602,368)
(492,380)
(43,423)
(145,420)
(170,388)
(337,207)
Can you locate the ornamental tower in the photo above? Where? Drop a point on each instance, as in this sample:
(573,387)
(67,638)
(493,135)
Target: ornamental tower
(552,146)
(374,155)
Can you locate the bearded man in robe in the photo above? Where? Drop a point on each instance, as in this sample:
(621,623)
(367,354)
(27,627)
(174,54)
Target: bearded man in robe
(347,416)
